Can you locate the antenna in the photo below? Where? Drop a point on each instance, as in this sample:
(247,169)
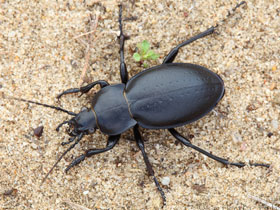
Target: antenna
(45,105)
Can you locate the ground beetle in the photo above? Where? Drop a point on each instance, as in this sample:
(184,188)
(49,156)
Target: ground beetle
(161,97)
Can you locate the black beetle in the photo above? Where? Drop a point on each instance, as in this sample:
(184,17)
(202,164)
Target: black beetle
(161,97)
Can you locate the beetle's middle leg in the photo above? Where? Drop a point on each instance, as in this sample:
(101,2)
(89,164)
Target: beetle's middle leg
(112,141)
(123,70)
(150,170)
(84,89)
(187,143)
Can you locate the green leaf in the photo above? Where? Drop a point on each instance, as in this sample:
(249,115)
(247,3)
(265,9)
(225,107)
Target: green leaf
(149,54)
(145,46)
(136,57)
(145,57)
(154,56)
(144,53)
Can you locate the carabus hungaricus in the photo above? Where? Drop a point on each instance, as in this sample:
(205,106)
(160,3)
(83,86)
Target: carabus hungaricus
(162,97)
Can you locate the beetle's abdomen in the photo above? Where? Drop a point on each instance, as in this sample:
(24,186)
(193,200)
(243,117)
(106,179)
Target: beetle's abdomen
(111,110)
(172,95)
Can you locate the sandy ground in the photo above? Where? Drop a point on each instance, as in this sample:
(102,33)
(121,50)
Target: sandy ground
(40,58)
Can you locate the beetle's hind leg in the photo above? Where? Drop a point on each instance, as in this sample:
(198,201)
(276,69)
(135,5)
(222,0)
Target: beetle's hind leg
(173,53)
(150,170)
(123,70)
(84,89)
(187,143)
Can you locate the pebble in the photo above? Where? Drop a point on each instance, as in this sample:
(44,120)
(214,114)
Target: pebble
(86,192)
(165,180)
(237,138)
(274,124)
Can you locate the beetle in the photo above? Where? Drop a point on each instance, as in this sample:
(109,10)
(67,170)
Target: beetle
(162,97)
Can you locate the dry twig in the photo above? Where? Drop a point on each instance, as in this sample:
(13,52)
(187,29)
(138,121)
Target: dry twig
(264,202)
(89,46)
(76,206)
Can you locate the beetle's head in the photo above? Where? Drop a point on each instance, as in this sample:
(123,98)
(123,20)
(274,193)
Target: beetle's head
(83,123)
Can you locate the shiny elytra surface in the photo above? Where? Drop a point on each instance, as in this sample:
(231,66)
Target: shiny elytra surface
(172,95)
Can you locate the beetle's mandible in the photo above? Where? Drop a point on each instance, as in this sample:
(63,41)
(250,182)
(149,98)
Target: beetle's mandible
(161,97)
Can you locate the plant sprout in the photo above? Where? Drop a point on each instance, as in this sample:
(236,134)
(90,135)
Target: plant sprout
(144,53)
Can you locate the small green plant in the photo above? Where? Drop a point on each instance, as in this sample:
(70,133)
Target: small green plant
(144,53)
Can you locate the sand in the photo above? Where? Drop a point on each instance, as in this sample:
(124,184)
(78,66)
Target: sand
(41,56)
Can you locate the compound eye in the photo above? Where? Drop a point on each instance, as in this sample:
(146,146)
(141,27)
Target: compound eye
(91,130)
(83,109)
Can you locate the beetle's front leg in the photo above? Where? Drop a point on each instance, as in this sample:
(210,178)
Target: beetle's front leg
(123,70)
(84,89)
(112,141)
(187,143)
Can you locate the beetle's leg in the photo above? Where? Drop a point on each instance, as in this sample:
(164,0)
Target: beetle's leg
(173,53)
(123,70)
(69,141)
(84,89)
(187,143)
(63,123)
(150,170)
(79,137)
(112,141)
